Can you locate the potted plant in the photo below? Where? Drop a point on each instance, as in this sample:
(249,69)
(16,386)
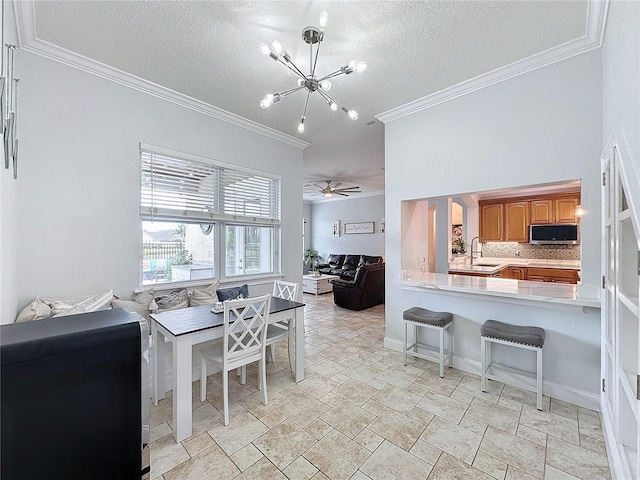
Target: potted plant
(312,259)
(461,245)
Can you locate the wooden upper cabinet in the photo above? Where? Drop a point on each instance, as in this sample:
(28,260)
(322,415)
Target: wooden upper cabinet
(556,210)
(516,222)
(541,211)
(491,227)
(565,209)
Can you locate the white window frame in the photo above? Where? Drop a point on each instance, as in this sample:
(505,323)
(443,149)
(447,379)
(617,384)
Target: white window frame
(220,212)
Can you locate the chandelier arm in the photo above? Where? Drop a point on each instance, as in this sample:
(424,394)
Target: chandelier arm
(289,92)
(294,69)
(328,98)
(315,62)
(331,75)
(306,103)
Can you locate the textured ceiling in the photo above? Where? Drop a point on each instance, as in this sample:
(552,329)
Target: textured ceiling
(208,50)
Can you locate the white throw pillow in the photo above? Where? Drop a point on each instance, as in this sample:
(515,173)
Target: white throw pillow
(172,301)
(96,302)
(139,304)
(36,310)
(208,296)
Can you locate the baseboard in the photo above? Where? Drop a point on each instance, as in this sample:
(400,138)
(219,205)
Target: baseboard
(561,392)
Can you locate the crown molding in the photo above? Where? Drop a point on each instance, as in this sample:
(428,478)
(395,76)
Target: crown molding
(338,198)
(28,42)
(596,19)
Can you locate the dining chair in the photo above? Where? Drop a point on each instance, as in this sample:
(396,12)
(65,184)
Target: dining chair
(285,329)
(243,342)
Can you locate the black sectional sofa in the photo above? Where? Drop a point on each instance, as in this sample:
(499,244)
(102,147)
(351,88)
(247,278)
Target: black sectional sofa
(346,265)
(364,291)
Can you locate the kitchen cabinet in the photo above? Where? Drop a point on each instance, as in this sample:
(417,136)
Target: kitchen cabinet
(555,275)
(516,216)
(491,222)
(516,273)
(554,210)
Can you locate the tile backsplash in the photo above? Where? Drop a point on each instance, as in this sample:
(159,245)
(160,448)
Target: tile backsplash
(550,252)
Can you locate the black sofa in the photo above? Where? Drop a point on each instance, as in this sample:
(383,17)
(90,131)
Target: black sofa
(346,265)
(364,291)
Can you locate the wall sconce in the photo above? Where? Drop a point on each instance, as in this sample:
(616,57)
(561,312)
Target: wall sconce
(579,211)
(336,228)
(382,226)
(9,110)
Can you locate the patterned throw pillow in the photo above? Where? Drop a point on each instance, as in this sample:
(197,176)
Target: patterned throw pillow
(172,301)
(100,301)
(233,293)
(36,310)
(208,296)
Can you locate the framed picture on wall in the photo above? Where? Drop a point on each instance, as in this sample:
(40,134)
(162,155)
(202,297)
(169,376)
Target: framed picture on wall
(336,228)
(362,227)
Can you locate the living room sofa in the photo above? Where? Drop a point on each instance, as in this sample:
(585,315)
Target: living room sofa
(346,265)
(364,291)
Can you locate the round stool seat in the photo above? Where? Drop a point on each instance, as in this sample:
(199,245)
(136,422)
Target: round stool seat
(422,315)
(533,336)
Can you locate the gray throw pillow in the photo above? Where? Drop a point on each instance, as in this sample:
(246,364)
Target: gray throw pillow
(233,293)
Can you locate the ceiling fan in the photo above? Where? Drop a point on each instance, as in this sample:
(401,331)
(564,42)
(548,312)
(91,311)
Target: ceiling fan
(331,189)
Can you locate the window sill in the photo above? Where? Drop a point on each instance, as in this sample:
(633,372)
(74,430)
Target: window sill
(227,283)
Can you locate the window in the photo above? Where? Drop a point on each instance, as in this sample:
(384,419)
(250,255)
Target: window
(203,219)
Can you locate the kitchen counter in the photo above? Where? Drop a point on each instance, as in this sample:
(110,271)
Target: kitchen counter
(492,265)
(552,295)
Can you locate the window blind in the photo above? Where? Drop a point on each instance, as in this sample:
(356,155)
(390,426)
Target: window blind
(178,188)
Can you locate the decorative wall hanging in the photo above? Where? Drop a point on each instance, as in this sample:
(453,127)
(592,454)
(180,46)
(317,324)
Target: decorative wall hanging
(382,225)
(336,228)
(362,227)
(9,111)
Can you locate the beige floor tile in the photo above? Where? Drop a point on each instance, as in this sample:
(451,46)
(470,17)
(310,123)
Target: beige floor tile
(426,452)
(204,418)
(318,428)
(590,426)
(263,469)
(396,398)
(284,443)
(552,473)
(369,439)
(272,419)
(515,474)
(518,452)
(281,380)
(327,368)
(300,469)
(331,399)
(242,430)
(348,418)
(397,377)
(374,407)
(162,413)
(253,403)
(397,428)
(317,386)
(563,409)
(496,415)
(337,456)
(303,410)
(445,407)
(490,465)
(450,468)
(365,358)
(551,424)
(390,461)
(362,373)
(246,456)
(532,435)
(236,393)
(453,439)
(596,445)
(462,395)
(421,415)
(576,460)
(433,383)
(166,454)
(195,445)
(212,463)
(473,424)
(160,431)
(472,386)
(360,476)
(510,403)
(356,392)
(526,397)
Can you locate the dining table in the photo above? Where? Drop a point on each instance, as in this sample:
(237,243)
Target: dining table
(183,328)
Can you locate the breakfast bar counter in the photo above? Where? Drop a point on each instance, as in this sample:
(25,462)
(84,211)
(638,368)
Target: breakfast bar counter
(550,295)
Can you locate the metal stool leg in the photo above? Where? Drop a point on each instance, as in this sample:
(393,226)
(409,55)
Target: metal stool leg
(539,379)
(404,351)
(450,345)
(441,352)
(483,361)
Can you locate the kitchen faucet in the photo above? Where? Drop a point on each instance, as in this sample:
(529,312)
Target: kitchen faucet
(472,240)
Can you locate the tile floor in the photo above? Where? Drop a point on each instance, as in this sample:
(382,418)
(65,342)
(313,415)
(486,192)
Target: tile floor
(361,414)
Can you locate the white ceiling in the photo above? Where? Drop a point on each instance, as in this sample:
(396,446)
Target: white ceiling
(208,50)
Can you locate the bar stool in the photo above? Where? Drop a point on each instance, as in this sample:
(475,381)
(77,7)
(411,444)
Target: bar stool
(423,318)
(529,338)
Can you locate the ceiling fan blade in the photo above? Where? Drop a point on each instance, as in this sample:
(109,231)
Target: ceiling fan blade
(350,190)
(339,193)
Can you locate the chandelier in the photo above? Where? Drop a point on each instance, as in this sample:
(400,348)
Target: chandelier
(311,36)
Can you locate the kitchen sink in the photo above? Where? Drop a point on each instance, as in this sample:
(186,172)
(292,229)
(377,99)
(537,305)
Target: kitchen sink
(486,265)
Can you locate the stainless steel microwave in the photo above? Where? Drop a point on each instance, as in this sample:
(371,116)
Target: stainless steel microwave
(554,234)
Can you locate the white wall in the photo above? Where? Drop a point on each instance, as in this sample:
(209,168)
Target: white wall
(544,126)
(621,78)
(350,210)
(77,228)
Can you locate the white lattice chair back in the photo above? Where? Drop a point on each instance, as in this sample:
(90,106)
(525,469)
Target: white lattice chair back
(285,290)
(245,322)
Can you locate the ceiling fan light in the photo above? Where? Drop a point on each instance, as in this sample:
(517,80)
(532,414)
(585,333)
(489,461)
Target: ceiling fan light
(328,194)
(353,115)
(324,18)
(277,47)
(325,85)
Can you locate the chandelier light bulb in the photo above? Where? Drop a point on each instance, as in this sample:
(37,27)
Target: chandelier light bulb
(325,85)
(300,82)
(333,106)
(324,17)
(301,126)
(352,64)
(361,67)
(263,104)
(264,48)
(353,115)
(277,47)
